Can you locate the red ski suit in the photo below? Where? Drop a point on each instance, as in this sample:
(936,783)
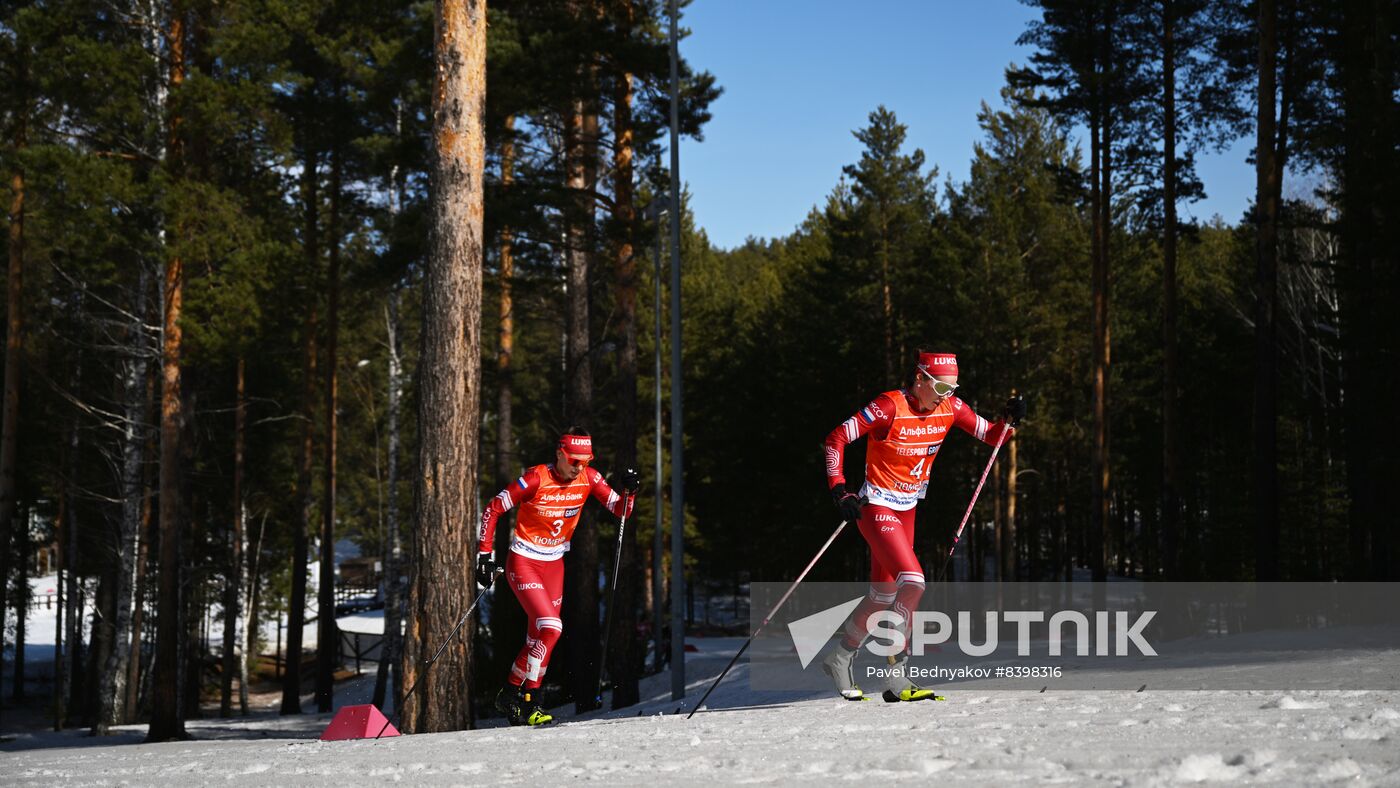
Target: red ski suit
(902,443)
(549,513)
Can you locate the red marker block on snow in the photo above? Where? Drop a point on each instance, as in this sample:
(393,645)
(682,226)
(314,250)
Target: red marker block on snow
(357,722)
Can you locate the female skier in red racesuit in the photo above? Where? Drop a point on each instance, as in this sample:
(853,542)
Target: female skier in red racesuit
(904,430)
(550,498)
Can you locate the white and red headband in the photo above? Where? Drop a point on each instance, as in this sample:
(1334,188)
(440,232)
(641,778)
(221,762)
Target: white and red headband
(934,364)
(577,447)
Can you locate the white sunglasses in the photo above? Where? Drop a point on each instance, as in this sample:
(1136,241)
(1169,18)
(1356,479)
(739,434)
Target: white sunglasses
(940,388)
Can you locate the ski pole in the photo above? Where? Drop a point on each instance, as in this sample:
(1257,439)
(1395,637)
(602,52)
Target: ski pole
(766,619)
(398,710)
(612,595)
(1005,432)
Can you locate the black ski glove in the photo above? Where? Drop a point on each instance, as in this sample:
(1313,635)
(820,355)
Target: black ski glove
(486,567)
(631,481)
(848,503)
(1014,411)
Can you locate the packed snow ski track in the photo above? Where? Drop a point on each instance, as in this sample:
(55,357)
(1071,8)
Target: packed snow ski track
(976,737)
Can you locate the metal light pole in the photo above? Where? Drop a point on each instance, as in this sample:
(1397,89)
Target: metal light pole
(677,420)
(658,589)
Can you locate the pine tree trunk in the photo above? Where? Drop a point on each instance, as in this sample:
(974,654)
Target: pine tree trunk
(507,618)
(73,712)
(1266,529)
(394,616)
(167,712)
(579,396)
(167,720)
(1103,491)
(450,375)
(195,595)
(14,349)
(296,613)
(505,437)
(1098,521)
(327,633)
(233,580)
(1171,429)
(60,686)
(392,650)
(625,646)
(1367,178)
(73,667)
(1102,361)
(580,607)
(103,641)
(22,603)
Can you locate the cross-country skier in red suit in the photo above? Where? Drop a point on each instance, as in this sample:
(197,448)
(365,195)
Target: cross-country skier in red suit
(904,430)
(550,498)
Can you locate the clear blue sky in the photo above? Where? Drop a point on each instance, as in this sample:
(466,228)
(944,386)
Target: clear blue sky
(800,75)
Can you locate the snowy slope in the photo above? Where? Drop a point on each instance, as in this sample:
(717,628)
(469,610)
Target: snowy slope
(975,737)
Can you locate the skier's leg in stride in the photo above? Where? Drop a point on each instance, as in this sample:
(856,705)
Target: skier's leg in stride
(897,579)
(839,663)
(539,585)
(883,593)
(897,548)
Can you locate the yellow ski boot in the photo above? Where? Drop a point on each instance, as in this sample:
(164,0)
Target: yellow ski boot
(520,707)
(901,689)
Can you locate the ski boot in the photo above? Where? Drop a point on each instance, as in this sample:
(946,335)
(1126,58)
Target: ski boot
(900,688)
(521,707)
(839,666)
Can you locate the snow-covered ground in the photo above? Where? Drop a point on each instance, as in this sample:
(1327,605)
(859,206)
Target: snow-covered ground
(975,737)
